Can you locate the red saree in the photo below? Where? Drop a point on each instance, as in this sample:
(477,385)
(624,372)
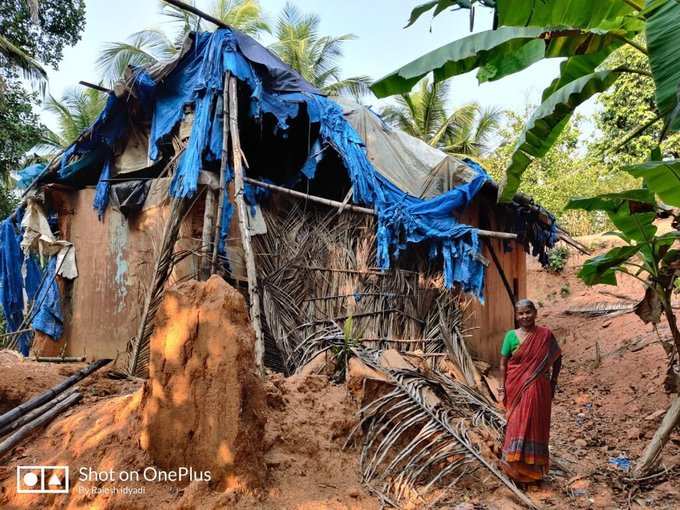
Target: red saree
(528,399)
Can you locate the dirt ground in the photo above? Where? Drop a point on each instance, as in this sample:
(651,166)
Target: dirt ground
(608,407)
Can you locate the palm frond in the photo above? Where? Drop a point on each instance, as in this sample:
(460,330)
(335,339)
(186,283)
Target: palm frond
(143,48)
(29,67)
(458,124)
(355,86)
(421,434)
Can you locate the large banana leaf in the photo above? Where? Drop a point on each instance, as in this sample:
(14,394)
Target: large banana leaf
(440,5)
(547,123)
(602,269)
(663,45)
(560,13)
(497,53)
(632,211)
(661,177)
(577,66)
(455,58)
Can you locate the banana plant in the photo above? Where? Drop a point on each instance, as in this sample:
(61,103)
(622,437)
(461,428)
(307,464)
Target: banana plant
(526,31)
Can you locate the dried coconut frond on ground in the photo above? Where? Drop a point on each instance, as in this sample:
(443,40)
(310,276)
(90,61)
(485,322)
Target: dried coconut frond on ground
(420,434)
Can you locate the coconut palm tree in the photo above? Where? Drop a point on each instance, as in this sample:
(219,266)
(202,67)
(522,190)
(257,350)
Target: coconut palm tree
(422,113)
(75,112)
(299,44)
(152,46)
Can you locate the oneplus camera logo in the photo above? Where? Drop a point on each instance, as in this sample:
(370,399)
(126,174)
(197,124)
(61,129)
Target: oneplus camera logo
(42,479)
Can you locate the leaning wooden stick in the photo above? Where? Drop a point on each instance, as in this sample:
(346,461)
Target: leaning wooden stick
(243,223)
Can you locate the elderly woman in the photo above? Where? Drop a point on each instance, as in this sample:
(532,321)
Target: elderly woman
(530,364)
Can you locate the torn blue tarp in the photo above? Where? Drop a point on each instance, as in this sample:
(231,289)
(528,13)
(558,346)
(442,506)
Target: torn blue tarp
(275,89)
(101,196)
(402,219)
(109,127)
(26,176)
(11,284)
(14,287)
(48,317)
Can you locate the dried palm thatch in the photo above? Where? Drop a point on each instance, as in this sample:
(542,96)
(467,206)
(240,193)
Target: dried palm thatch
(419,434)
(316,272)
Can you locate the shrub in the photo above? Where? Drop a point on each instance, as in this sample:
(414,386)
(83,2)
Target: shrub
(557,259)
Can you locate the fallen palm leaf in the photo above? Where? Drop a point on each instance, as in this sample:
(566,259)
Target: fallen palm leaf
(418,434)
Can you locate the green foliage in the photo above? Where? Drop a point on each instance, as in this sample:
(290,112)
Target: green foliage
(565,171)
(20,127)
(557,259)
(547,122)
(663,44)
(300,45)
(574,13)
(344,352)
(75,112)
(60,23)
(625,107)
(602,269)
(422,113)
(459,57)
(152,45)
(661,177)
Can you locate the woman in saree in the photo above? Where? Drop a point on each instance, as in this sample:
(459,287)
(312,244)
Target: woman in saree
(530,364)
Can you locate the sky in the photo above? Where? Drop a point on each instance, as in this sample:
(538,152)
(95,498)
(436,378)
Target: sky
(382,44)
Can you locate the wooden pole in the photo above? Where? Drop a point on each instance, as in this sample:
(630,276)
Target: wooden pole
(244,227)
(223,170)
(197,12)
(355,208)
(41,420)
(651,454)
(208,222)
(95,87)
(49,395)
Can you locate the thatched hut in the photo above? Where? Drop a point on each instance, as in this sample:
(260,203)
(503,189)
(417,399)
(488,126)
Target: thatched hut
(338,228)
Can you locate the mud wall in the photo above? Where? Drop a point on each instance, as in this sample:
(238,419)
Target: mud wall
(115,260)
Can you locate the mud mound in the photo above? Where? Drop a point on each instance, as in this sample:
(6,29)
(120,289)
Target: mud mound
(203,405)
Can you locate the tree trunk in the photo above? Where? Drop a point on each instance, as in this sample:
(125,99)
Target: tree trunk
(652,453)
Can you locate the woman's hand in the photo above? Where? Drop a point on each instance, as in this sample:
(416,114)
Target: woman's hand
(501,393)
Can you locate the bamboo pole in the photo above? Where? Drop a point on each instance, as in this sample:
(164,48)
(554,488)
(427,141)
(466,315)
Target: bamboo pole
(244,227)
(30,416)
(208,222)
(49,395)
(223,170)
(197,12)
(356,208)
(41,420)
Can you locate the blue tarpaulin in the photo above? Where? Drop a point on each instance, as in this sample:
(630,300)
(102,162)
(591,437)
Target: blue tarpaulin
(197,78)
(43,290)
